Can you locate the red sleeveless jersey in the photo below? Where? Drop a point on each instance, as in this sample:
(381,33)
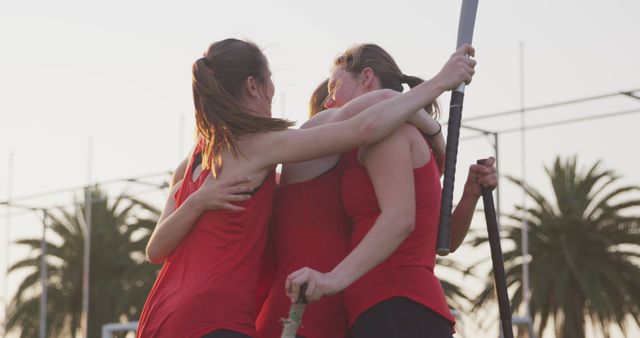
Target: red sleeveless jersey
(309,228)
(408,271)
(209,281)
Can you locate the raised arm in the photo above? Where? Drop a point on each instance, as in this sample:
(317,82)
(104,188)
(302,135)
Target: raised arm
(421,120)
(302,171)
(351,109)
(396,197)
(374,123)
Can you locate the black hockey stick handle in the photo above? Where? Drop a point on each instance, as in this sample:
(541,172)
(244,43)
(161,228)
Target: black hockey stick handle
(451,157)
(497,260)
(465,35)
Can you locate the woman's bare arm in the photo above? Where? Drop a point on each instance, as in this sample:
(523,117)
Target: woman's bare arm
(174,224)
(370,126)
(389,158)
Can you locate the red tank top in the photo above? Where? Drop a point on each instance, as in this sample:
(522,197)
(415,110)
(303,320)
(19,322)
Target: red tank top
(309,228)
(408,272)
(209,281)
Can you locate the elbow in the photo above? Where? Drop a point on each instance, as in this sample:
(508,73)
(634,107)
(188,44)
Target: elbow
(405,223)
(153,257)
(408,227)
(397,225)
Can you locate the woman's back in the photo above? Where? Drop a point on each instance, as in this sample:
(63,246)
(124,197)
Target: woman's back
(308,227)
(208,282)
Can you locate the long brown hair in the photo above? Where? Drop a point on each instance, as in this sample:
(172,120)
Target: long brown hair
(217,83)
(358,57)
(318,98)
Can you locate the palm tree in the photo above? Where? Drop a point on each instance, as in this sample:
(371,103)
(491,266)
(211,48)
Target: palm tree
(584,252)
(119,279)
(456,296)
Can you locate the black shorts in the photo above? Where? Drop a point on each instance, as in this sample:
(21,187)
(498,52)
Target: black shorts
(400,317)
(225,334)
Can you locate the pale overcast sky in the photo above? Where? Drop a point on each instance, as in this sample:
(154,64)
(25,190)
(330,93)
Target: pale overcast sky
(119,71)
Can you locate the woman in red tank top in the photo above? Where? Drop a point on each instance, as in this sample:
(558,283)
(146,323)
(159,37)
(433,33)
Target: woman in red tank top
(391,191)
(309,227)
(207,285)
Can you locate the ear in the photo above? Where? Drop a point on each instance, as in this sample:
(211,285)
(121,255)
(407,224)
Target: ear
(328,102)
(251,87)
(367,77)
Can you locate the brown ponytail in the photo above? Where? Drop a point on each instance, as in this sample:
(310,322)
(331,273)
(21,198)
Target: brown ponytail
(356,58)
(432,108)
(218,78)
